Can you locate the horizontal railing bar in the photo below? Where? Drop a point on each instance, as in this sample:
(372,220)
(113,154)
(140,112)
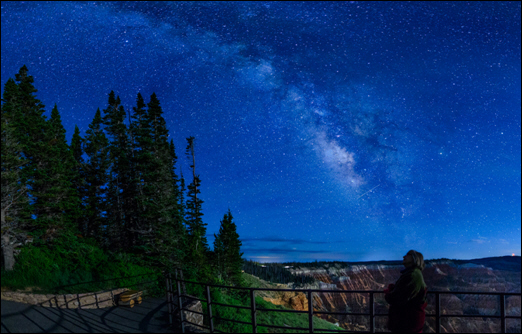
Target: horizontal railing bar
(192,282)
(193,298)
(196,324)
(238,321)
(476,293)
(192,311)
(110,279)
(332,330)
(343,313)
(284,327)
(226,286)
(276,310)
(358,314)
(472,316)
(357,291)
(285,290)
(57,291)
(243,307)
(340,291)
(334,313)
(155,281)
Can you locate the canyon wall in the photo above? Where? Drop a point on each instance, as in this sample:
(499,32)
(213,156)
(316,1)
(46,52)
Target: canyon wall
(439,275)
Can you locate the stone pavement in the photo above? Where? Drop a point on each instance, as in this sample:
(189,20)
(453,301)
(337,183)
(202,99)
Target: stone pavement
(151,316)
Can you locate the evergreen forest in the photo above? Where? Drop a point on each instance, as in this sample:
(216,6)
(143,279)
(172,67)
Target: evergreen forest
(112,203)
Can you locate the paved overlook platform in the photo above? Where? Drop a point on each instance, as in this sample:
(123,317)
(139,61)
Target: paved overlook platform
(148,317)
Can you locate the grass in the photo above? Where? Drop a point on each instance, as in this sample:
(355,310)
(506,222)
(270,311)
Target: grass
(241,298)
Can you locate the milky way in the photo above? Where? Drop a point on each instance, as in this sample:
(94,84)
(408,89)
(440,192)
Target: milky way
(338,131)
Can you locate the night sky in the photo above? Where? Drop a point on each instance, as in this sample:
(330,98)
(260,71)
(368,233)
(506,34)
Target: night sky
(349,131)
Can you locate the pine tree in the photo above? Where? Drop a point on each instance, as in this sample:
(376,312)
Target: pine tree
(175,180)
(169,232)
(96,146)
(25,114)
(54,202)
(160,231)
(196,227)
(219,254)
(79,182)
(227,250)
(194,221)
(157,122)
(141,145)
(181,197)
(178,213)
(14,197)
(61,201)
(145,172)
(119,199)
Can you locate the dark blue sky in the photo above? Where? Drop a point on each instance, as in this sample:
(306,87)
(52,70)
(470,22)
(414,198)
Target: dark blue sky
(332,130)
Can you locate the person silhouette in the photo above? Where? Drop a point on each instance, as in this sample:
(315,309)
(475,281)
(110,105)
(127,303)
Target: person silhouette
(407,297)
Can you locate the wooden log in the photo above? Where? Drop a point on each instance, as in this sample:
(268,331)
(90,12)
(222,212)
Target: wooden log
(129,298)
(131,294)
(129,303)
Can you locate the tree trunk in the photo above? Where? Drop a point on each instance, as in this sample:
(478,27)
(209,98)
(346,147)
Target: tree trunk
(8,250)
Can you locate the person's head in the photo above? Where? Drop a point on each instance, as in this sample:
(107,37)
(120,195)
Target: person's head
(413,258)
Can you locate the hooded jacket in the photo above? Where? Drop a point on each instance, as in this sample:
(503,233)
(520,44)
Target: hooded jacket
(407,299)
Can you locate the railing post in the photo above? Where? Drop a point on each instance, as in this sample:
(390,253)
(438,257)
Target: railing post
(253,310)
(437,312)
(502,314)
(180,304)
(372,314)
(209,308)
(169,296)
(310,312)
(184,287)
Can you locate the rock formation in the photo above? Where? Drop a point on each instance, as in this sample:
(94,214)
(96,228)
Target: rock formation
(439,275)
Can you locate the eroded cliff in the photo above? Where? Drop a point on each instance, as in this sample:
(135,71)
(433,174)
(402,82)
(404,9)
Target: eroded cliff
(439,275)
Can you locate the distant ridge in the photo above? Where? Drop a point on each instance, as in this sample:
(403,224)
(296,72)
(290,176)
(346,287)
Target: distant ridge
(508,263)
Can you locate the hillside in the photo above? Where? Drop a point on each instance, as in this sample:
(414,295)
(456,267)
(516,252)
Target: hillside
(281,301)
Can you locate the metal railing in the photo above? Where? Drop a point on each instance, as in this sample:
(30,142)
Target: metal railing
(119,285)
(438,312)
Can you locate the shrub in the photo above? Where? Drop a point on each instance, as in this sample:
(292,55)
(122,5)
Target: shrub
(67,263)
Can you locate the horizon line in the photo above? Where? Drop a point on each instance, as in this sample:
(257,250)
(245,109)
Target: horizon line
(260,258)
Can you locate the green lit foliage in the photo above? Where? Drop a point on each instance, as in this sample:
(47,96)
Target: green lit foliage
(242,298)
(68,263)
